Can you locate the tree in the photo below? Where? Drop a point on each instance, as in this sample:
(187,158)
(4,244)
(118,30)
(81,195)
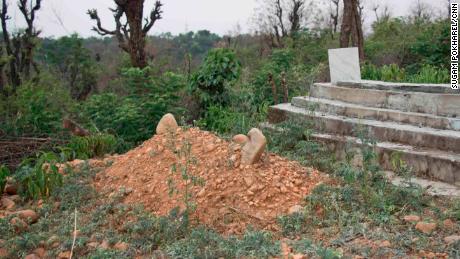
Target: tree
(220,68)
(68,57)
(421,11)
(131,34)
(296,15)
(279,19)
(20,47)
(384,15)
(335,16)
(352,29)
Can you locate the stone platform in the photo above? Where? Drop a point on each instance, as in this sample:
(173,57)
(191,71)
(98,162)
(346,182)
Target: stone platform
(419,121)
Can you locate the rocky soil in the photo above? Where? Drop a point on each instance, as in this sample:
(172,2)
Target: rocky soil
(231,195)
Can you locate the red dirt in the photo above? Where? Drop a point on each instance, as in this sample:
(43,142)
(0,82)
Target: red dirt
(233,196)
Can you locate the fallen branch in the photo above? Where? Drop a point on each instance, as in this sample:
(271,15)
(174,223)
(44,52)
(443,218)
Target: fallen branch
(275,94)
(247,214)
(74,234)
(74,128)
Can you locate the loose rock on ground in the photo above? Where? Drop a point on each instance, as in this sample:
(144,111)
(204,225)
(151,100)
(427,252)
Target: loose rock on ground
(233,195)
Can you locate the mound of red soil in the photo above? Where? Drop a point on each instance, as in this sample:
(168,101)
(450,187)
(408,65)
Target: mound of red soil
(230,197)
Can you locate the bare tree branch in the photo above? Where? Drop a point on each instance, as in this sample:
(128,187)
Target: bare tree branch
(295,15)
(98,28)
(155,15)
(279,15)
(130,34)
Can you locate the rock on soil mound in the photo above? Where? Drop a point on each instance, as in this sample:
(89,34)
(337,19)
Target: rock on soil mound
(231,197)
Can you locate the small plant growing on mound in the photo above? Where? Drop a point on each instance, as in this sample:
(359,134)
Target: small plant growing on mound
(38,178)
(184,159)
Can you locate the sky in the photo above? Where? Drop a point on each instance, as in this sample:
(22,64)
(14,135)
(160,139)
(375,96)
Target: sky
(62,17)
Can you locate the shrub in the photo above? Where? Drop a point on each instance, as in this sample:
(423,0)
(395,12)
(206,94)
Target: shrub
(133,117)
(430,74)
(4,172)
(220,68)
(389,73)
(431,46)
(90,146)
(225,120)
(35,110)
(73,62)
(392,73)
(280,61)
(38,178)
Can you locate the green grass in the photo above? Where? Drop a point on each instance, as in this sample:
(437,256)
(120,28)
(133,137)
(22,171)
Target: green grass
(361,204)
(101,218)
(348,217)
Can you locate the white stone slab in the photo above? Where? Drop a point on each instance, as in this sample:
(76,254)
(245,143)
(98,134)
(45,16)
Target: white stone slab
(344,65)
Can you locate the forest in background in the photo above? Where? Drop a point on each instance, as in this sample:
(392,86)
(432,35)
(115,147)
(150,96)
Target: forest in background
(220,83)
(85,97)
(74,99)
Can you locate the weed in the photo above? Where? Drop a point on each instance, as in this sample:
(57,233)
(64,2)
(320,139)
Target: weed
(307,247)
(454,210)
(294,139)
(4,172)
(393,73)
(362,199)
(203,243)
(184,160)
(39,177)
(96,145)
(292,224)
(400,166)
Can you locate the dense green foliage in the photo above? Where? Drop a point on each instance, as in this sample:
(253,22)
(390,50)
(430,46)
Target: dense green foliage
(393,73)
(35,110)
(133,116)
(219,70)
(96,145)
(38,178)
(221,84)
(73,63)
(226,85)
(4,173)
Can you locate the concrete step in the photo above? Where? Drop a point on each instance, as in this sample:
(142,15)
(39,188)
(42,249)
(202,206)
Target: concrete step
(383,131)
(432,103)
(405,87)
(425,163)
(358,111)
(434,188)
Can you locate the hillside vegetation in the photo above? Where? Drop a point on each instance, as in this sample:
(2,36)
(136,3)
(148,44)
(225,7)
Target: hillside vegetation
(75,131)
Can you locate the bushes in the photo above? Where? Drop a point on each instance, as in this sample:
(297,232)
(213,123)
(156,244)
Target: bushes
(220,68)
(91,146)
(392,73)
(133,117)
(430,74)
(68,57)
(128,118)
(225,120)
(389,73)
(34,110)
(39,177)
(4,172)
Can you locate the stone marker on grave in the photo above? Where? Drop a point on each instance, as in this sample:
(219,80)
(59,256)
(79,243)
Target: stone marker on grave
(344,65)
